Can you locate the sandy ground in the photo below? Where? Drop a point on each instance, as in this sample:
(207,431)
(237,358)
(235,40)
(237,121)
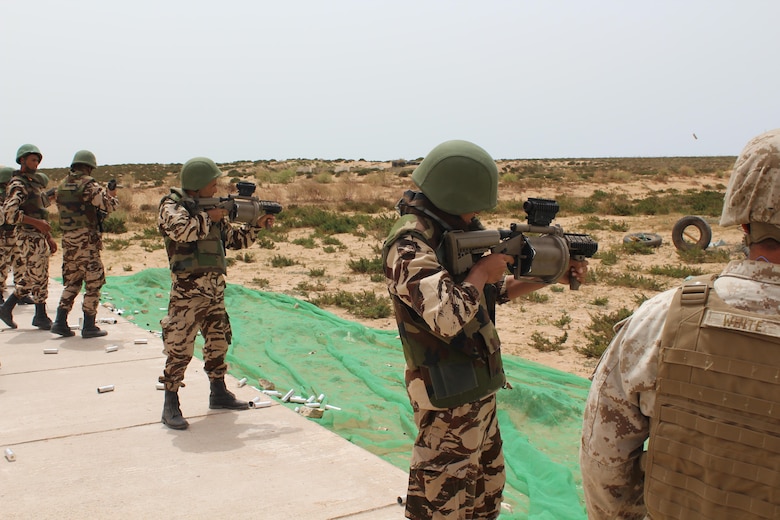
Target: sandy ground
(517,321)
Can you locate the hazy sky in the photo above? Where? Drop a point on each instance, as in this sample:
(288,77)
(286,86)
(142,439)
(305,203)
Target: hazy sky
(162,81)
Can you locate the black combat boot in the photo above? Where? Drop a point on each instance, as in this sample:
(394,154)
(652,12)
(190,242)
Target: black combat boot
(89,329)
(171,416)
(41,319)
(6,311)
(221,397)
(60,325)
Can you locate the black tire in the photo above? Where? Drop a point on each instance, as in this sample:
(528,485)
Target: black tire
(684,240)
(648,239)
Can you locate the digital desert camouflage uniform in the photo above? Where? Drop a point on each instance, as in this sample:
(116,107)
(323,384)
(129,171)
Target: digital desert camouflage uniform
(457,467)
(622,400)
(23,195)
(197,301)
(82,241)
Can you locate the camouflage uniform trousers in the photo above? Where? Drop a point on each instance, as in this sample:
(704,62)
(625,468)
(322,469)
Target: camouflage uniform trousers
(457,468)
(81,264)
(197,302)
(35,253)
(10,259)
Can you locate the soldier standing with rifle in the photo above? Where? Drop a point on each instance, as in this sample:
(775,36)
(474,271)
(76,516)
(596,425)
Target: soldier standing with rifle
(446,325)
(25,207)
(195,240)
(82,202)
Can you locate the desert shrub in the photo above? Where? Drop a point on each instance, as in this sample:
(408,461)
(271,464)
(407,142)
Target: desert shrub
(282,261)
(114,224)
(675,271)
(261,282)
(152,245)
(364,304)
(317,272)
(535,297)
(117,244)
(367,266)
(307,242)
(563,321)
(306,287)
(542,344)
(607,257)
(600,301)
(600,332)
(703,256)
(265,243)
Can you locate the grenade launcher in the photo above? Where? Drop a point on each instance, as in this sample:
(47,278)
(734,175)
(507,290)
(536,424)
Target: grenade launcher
(544,256)
(243,207)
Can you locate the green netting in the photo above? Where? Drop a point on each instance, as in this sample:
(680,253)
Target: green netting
(296,345)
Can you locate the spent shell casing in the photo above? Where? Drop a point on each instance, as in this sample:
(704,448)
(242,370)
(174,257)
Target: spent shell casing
(106,388)
(107,320)
(288,395)
(257,402)
(274,393)
(141,341)
(112,348)
(50,350)
(160,386)
(10,456)
(241,382)
(297,399)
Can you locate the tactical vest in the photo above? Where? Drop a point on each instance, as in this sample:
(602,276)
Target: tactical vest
(714,447)
(74,212)
(457,370)
(201,256)
(33,206)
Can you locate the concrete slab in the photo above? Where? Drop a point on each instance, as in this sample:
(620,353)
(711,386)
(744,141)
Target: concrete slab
(83,454)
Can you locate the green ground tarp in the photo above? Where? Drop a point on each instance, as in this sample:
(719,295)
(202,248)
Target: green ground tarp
(298,346)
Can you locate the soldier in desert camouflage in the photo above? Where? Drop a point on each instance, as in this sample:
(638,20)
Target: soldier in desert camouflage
(695,371)
(25,207)
(196,240)
(452,350)
(81,203)
(10,260)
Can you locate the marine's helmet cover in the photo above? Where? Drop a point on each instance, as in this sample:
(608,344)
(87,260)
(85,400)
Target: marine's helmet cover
(198,172)
(753,194)
(458,177)
(84,157)
(27,149)
(5,174)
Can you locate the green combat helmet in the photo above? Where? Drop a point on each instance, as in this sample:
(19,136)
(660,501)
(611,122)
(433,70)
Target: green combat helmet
(84,157)
(458,177)
(41,178)
(27,149)
(198,172)
(5,174)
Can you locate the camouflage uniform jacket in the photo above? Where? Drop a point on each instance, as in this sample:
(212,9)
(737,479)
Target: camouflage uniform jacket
(179,225)
(622,396)
(453,315)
